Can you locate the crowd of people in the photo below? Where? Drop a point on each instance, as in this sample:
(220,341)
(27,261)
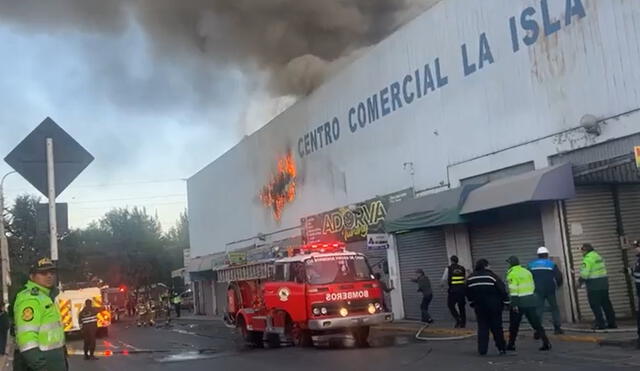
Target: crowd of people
(527,292)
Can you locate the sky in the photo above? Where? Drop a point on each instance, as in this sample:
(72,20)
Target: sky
(148,131)
(157,89)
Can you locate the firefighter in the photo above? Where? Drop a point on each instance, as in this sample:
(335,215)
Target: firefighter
(593,273)
(142,312)
(636,279)
(454,276)
(523,302)
(548,279)
(88,319)
(177,303)
(487,296)
(38,324)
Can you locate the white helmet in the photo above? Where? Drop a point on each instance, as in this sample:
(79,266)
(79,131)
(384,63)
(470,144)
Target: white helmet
(542,250)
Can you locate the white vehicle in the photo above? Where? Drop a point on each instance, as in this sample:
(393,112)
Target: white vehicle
(71,301)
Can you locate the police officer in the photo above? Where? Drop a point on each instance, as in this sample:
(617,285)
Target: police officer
(177,303)
(636,279)
(39,332)
(548,279)
(487,296)
(88,319)
(523,302)
(455,276)
(594,273)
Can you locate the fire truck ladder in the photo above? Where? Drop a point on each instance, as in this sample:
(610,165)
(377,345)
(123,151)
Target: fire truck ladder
(246,272)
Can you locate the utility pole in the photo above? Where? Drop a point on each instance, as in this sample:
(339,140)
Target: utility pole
(4,248)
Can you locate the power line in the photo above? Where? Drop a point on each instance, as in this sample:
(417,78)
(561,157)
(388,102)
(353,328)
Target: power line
(128,199)
(142,204)
(104,185)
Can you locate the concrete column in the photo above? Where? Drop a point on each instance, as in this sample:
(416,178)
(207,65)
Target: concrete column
(397,304)
(458,243)
(555,241)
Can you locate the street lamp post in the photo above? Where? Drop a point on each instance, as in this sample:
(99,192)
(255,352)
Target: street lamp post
(4,247)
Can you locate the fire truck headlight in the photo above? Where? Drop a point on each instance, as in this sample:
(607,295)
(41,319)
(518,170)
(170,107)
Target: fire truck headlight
(316,311)
(378,306)
(323,310)
(344,312)
(371,309)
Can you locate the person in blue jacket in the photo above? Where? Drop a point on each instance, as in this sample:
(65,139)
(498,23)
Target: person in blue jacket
(548,279)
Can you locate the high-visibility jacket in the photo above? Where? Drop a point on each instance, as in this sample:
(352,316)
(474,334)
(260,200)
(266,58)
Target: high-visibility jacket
(594,271)
(39,331)
(521,286)
(177,299)
(546,275)
(457,276)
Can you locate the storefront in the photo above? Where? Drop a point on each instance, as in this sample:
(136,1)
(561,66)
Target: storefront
(606,214)
(355,225)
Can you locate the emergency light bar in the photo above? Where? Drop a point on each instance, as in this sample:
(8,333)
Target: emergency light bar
(323,247)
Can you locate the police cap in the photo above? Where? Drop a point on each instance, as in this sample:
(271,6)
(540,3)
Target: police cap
(42,265)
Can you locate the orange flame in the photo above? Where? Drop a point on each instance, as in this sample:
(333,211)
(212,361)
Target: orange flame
(281,189)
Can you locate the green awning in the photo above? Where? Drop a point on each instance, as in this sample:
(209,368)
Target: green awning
(429,211)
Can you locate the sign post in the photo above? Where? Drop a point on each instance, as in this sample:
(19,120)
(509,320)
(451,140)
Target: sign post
(49,159)
(51,183)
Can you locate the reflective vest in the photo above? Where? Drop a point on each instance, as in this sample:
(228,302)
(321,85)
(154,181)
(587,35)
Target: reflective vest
(177,299)
(457,275)
(520,282)
(593,266)
(37,320)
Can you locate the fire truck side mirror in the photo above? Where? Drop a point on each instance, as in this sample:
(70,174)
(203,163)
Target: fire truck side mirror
(385,267)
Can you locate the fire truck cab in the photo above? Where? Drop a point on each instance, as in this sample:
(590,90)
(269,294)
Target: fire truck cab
(318,289)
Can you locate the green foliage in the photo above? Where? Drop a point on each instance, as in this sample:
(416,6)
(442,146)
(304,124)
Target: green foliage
(125,246)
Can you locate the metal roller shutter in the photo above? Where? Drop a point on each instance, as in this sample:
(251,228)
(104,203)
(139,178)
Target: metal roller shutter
(514,231)
(591,219)
(375,257)
(629,196)
(422,249)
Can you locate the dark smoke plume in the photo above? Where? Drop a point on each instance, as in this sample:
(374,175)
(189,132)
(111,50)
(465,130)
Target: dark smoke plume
(294,41)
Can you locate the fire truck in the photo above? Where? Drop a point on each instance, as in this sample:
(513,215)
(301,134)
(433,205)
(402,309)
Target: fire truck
(317,289)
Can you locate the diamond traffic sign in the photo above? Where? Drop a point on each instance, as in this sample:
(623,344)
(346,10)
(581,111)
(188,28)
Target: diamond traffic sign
(29,158)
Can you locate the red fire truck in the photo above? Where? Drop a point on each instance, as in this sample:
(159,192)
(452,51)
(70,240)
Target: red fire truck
(316,289)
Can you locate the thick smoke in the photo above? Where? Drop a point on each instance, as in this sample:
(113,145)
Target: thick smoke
(296,42)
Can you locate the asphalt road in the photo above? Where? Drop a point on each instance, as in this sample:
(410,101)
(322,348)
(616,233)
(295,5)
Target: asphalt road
(200,345)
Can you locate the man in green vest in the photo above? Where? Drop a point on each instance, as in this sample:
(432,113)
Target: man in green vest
(38,326)
(593,273)
(523,302)
(177,303)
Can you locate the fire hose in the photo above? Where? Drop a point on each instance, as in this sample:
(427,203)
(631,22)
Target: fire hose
(447,338)
(470,335)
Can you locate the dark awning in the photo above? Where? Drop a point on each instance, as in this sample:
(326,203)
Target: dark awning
(429,211)
(551,183)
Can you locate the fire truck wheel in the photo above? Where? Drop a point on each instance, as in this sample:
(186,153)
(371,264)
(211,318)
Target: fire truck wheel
(250,337)
(361,336)
(273,340)
(299,337)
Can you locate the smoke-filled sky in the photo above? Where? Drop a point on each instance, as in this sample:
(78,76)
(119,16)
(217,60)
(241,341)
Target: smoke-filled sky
(157,89)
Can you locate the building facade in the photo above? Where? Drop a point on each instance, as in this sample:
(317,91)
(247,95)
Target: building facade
(513,123)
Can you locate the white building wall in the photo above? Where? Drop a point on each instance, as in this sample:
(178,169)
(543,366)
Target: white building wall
(522,107)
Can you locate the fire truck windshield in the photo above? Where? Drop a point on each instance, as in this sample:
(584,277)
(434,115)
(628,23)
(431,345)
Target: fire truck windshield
(332,269)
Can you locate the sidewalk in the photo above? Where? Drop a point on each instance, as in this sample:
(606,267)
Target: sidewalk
(624,336)
(196,317)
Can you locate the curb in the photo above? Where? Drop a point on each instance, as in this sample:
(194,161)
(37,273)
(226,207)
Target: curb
(454,332)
